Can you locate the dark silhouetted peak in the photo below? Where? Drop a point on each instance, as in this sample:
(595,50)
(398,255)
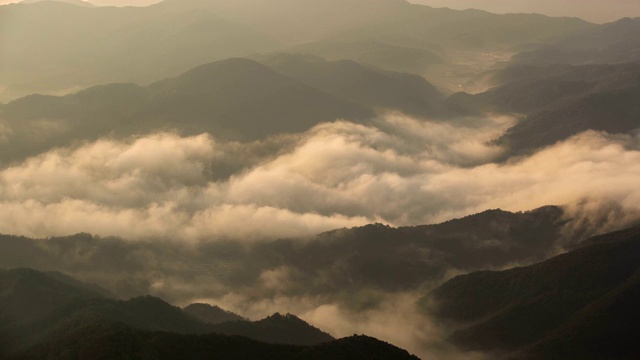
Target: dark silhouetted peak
(277,329)
(623,25)
(148,300)
(211,314)
(105,340)
(240,98)
(356,346)
(152,313)
(290,318)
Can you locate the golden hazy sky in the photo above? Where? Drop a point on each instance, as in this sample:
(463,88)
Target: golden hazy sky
(592,10)
(104,2)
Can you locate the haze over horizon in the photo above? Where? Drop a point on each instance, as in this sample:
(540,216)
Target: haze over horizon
(596,11)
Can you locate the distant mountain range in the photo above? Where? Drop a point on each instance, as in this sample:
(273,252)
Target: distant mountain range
(283,93)
(373,256)
(332,263)
(378,89)
(243,99)
(576,305)
(232,99)
(42,317)
(54,47)
(235,98)
(73,47)
(400,259)
(414,60)
(612,43)
(583,81)
(276,329)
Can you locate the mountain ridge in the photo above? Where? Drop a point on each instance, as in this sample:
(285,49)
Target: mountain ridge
(76,313)
(540,300)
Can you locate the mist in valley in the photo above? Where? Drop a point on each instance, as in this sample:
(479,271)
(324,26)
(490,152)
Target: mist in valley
(353,163)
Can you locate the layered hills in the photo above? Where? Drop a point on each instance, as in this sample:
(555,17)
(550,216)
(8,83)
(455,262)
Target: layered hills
(53,47)
(370,87)
(611,43)
(558,101)
(583,81)
(344,261)
(237,99)
(224,138)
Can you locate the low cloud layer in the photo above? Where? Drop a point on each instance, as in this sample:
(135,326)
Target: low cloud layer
(399,171)
(202,191)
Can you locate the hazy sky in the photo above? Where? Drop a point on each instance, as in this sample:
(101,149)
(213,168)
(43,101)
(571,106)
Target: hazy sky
(103,2)
(591,10)
(124,2)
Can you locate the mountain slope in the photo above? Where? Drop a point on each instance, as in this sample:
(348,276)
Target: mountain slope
(415,60)
(305,21)
(372,88)
(612,43)
(601,330)
(114,341)
(420,26)
(597,98)
(53,47)
(211,314)
(86,46)
(559,101)
(509,310)
(390,259)
(296,21)
(33,306)
(355,347)
(42,317)
(233,99)
(335,263)
(29,297)
(245,99)
(613,112)
(276,329)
